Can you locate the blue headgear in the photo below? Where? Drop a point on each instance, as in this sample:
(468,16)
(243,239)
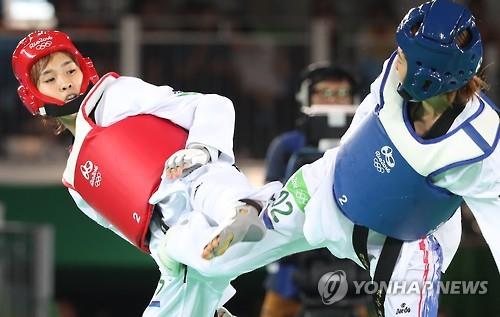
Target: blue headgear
(436,64)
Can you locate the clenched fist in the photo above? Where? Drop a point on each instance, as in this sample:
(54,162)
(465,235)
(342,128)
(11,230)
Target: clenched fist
(183,162)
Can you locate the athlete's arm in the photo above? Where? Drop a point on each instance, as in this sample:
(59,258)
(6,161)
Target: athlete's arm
(486,211)
(209,118)
(479,185)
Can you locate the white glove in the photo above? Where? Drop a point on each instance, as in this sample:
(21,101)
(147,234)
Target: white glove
(183,162)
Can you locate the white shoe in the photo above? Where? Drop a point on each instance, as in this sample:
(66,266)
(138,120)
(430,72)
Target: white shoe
(222,312)
(245,226)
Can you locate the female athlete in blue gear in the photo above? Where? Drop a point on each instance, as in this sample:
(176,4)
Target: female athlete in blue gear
(424,140)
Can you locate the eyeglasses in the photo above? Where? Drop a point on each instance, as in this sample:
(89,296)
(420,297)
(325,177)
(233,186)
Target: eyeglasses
(332,93)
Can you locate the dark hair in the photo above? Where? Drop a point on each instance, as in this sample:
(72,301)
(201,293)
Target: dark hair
(329,72)
(53,123)
(476,83)
(463,38)
(37,68)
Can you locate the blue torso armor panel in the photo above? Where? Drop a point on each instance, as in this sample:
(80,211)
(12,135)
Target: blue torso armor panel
(384,172)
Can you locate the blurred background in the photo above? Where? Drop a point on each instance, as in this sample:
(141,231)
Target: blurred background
(53,259)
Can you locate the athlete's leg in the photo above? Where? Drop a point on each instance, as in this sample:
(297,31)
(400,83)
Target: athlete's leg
(284,216)
(414,284)
(184,292)
(188,294)
(186,241)
(244,225)
(218,190)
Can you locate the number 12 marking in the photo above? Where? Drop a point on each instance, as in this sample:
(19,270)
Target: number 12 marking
(282,197)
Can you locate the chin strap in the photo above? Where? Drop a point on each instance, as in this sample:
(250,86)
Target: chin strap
(68,108)
(402,92)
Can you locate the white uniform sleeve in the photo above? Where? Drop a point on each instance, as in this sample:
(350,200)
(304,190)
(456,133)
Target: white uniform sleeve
(479,184)
(209,118)
(92,214)
(487,214)
(483,199)
(314,173)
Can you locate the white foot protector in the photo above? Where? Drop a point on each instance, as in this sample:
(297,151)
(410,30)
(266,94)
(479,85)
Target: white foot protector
(243,226)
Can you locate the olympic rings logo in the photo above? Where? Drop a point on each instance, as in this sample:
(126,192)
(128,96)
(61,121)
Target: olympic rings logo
(387,152)
(97,180)
(384,160)
(86,169)
(378,166)
(43,45)
(90,172)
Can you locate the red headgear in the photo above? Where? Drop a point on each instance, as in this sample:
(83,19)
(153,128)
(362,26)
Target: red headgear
(35,46)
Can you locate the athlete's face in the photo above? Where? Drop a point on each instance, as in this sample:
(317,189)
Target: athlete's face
(401,65)
(61,78)
(330,92)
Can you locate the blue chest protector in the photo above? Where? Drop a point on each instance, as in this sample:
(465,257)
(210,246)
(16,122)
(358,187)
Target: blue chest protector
(375,186)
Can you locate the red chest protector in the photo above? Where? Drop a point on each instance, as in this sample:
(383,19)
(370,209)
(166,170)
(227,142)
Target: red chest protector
(117,168)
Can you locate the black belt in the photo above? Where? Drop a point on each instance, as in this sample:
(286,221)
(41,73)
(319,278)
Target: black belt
(385,265)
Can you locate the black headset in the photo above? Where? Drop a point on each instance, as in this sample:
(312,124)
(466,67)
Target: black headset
(317,72)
